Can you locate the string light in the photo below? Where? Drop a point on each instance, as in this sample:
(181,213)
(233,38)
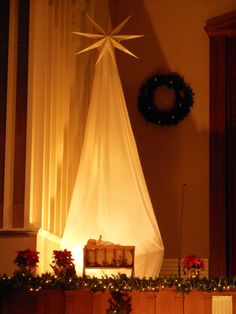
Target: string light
(116,283)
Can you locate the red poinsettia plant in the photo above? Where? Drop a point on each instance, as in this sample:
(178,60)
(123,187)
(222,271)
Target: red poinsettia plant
(192,261)
(27,260)
(62,263)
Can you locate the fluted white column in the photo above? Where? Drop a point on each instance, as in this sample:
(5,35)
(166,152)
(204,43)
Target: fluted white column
(59,90)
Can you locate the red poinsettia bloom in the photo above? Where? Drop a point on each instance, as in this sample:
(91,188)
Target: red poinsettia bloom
(27,258)
(62,258)
(62,264)
(192,261)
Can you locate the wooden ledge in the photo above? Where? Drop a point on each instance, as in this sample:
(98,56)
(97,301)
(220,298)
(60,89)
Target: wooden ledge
(18,233)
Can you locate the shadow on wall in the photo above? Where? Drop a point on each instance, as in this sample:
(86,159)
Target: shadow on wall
(170,156)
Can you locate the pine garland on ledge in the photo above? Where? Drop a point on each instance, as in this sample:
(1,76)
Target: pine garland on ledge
(119,283)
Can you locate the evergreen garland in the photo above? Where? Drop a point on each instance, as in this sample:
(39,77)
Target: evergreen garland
(120,283)
(181,106)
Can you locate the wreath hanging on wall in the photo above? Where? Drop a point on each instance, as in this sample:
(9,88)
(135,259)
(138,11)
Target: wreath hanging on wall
(179,109)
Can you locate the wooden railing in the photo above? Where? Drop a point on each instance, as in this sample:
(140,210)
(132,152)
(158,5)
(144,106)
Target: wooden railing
(82,301)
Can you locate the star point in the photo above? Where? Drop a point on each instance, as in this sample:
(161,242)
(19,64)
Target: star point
(107,40)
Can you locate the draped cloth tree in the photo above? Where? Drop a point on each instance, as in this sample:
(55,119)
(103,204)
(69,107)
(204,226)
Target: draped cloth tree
(110,196)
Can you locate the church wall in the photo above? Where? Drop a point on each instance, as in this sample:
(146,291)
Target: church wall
(175,159)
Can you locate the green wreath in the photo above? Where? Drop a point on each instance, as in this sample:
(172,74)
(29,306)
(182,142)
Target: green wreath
(181,106)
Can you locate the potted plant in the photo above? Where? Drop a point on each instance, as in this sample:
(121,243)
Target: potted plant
(62,264)
(27,260)
(192,265)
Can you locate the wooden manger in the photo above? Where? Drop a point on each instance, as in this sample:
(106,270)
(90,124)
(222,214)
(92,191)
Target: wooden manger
(109,256)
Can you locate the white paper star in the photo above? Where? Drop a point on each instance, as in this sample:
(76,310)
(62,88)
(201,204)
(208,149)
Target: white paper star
(107,41)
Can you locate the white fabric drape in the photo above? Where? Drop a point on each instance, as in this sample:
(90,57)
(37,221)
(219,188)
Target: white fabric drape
(110,196)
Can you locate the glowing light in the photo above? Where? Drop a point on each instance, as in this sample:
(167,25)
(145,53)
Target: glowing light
(77,253)
(102,201)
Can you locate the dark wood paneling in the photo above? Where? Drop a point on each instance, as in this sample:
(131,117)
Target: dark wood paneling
(217,157)
(4,31)
(21,114)
(222,33)
(231,155)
